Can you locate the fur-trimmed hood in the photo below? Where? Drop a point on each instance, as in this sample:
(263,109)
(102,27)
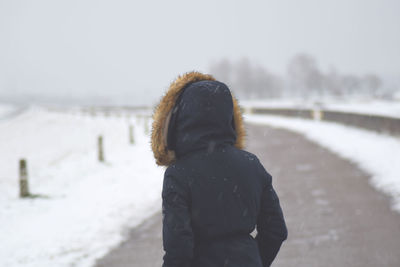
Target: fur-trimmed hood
(189,86)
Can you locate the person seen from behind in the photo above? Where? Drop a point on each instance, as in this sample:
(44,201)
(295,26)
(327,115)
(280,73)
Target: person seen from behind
(214,192)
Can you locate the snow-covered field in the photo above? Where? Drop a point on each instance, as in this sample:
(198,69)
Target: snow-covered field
(373,107)
(5,109)
(377,154)
(85,205)
(8,111)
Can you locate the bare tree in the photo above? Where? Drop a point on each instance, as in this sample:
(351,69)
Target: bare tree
(222,70)
(332,83)
(350,84)
(305,77)
(267,84)
(371,84)
(243,79)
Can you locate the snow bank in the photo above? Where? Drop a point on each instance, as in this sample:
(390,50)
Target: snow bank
(372,107)
(7,110)
(381,108)
(4,108)
(86,205)
(377,154)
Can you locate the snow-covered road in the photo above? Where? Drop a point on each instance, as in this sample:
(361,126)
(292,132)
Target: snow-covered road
(334,216)
(376,154)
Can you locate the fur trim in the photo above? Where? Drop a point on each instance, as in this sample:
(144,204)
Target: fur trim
(162,113)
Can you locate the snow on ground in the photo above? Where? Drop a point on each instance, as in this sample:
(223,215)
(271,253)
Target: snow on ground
(366,106)
(86,205)
(7,111)
(381,108)
(6,108)
(377,154)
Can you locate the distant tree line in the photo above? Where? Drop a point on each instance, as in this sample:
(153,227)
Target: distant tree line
(303,79)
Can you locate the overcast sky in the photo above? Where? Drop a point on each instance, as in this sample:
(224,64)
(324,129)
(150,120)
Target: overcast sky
(86,47)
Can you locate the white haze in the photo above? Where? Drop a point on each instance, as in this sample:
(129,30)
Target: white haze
(127,52)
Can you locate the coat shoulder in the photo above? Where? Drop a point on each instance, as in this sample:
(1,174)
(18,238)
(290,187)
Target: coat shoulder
(175,171)
(259,166)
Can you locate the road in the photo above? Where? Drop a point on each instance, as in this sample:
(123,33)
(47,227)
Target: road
(334,216)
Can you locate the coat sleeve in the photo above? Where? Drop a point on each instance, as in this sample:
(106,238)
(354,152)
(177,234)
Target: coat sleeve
(271,226)
(177,231)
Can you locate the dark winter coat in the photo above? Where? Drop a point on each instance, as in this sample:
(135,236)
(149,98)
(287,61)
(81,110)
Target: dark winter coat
(214,193)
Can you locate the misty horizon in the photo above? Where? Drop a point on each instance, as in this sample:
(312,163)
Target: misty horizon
(99,52)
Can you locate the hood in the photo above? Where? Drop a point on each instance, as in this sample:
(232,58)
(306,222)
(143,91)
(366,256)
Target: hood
(196,112)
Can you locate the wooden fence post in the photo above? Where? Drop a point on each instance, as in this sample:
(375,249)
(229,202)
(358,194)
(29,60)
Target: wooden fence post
(131,138)
(92,111)
(100,148)
(23,179)
(317,114)
(146,126)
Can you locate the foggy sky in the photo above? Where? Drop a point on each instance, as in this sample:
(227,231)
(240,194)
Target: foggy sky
(136,48)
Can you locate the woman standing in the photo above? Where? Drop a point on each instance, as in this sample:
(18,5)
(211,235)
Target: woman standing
(214,193)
